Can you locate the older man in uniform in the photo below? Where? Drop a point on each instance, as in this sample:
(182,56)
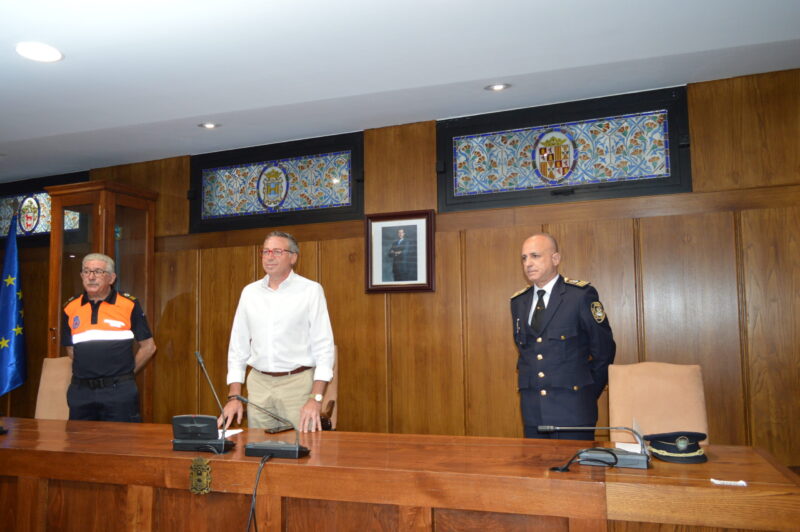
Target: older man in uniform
(99,328)
(565,345)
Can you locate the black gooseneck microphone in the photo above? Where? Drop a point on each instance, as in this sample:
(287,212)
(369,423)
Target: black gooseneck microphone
(199,433)
(202,363)
(601,455)
(275,448)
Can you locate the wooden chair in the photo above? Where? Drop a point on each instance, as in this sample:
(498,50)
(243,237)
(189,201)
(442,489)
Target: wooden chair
(656,397)
(51,401)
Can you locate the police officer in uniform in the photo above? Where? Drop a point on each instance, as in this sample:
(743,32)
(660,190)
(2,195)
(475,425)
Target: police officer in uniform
(98,330)
(565,345)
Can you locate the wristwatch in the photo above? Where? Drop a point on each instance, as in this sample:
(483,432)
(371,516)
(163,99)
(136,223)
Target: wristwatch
(316,397)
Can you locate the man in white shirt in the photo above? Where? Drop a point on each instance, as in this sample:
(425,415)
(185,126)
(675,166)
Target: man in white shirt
(282,330)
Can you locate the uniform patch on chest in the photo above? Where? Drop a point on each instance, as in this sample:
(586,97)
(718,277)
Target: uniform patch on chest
(76,322)
(598,312)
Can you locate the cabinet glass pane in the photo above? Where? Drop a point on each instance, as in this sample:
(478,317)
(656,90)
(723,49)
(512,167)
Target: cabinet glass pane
(130,250)
(78,242)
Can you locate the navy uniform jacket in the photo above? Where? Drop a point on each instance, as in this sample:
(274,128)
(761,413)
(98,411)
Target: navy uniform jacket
(563,368)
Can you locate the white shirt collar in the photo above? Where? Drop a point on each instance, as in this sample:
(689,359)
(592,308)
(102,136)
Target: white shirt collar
(285,283)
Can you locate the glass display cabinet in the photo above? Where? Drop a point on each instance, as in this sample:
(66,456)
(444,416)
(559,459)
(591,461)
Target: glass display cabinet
(106,217)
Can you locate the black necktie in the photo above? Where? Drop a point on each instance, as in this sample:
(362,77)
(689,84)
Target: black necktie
(536,323)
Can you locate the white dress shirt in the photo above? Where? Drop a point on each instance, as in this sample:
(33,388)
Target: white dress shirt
(548,289)
(280,330)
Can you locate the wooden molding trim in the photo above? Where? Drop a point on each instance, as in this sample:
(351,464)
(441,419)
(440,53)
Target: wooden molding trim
(641,207)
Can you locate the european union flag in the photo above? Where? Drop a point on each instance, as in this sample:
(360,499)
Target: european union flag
(13,368)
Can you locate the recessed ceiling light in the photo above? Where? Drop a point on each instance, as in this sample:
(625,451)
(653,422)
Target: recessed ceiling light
(209,125)
(39,51)
(497,87)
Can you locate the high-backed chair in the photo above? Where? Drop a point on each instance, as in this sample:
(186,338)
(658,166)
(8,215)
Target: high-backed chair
(51,401)
(656,397)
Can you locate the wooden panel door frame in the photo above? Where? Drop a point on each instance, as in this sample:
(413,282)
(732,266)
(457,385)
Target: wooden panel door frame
(57,205)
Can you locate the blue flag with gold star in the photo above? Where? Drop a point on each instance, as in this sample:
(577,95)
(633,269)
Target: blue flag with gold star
(13,368)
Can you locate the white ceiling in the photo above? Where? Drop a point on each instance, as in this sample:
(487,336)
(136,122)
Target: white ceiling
(138,76)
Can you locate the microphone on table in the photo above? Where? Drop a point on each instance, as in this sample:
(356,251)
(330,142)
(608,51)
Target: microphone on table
(601,455)
(213,391)
(199,433)
(275,448)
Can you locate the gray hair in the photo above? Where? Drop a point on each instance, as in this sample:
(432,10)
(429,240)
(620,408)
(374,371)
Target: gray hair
(293,247)
(99,256)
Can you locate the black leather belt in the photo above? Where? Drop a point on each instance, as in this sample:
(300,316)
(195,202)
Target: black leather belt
(101,382)
(301,369)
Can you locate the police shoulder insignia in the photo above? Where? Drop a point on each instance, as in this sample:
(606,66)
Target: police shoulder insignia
(598,312)
(132,298)
(68,301)
(519,293)
(576,282)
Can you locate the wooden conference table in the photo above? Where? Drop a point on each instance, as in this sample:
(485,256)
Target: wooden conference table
(81,475)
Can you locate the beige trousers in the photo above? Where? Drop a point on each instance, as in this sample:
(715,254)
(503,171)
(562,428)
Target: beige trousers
(284,396)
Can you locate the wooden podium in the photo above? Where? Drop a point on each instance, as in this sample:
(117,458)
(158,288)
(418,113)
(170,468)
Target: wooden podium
(83,475)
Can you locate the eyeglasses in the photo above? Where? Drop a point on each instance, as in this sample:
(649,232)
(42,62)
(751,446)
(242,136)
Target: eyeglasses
(275,251)
(86,272)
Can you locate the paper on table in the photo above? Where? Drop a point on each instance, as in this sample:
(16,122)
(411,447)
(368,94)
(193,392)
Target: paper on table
(229,432)
(632,447)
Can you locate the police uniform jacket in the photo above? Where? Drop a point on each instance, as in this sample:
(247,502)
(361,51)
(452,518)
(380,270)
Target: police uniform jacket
(562,368)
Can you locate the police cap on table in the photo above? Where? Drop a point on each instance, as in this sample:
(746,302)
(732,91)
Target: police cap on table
(679,447)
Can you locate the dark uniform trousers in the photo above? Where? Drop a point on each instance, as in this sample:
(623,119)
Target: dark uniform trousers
(562,368)
(119,401)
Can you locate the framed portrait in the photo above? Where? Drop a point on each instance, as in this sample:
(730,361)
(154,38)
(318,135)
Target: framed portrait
(400,252)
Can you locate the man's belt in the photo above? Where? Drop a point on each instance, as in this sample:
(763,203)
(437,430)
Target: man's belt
(301,369)
(101,382)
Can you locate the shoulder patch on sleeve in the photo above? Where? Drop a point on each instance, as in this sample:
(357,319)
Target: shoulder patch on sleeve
(70,300)
(576,282)
(519,293)
(598,312)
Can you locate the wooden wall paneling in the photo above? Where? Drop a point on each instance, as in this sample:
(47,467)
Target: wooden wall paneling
(329,516)
(178,510)
(493,273)
(246,237)
(8,494)
(691,312)
(307,263)
(744,131)
(139,508)
(446,520)
(175,329)
(427,352)
(84,506)
(31,504)
(400,168)
(224,272)
(771,242)
(359,330)
(33,273)
(602,252)
(415,518)
(169,178)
